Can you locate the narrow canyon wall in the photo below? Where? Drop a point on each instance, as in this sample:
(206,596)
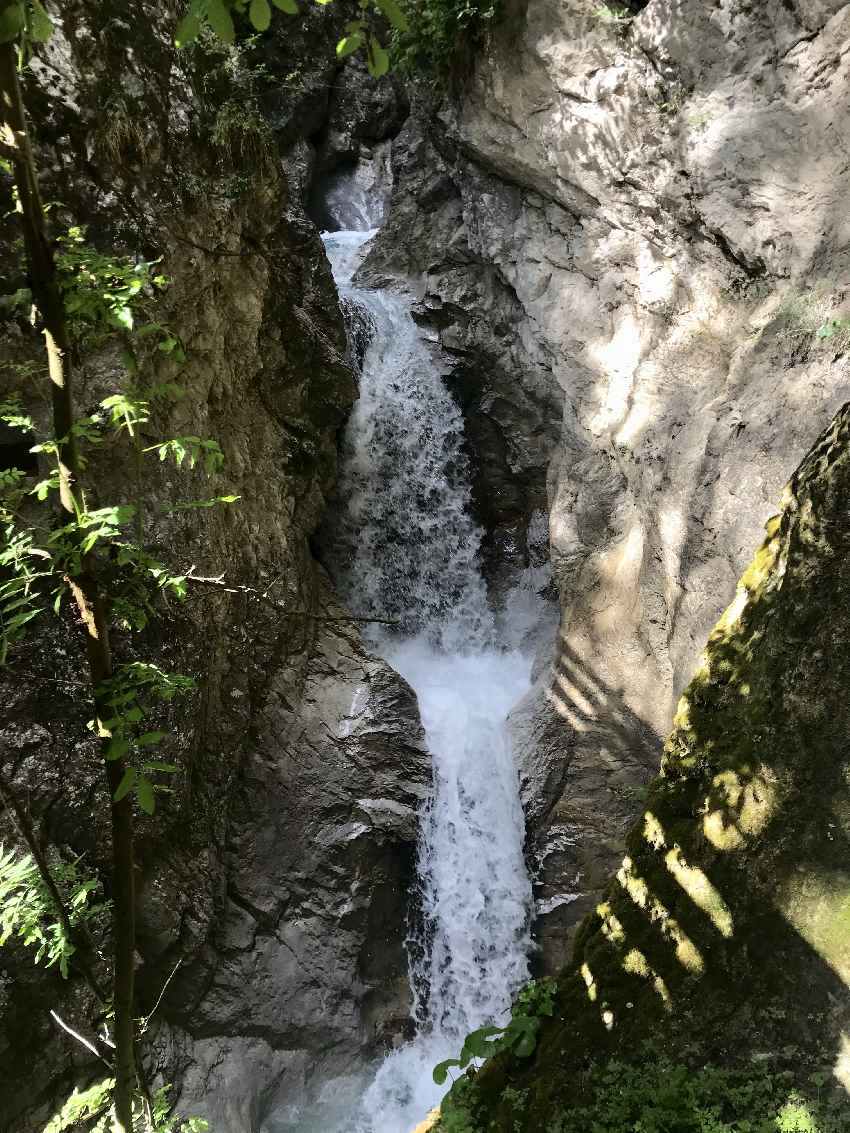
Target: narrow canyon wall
(629,233)
(722,939)
(274,883)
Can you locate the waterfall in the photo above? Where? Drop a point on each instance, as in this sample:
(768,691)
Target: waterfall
(403,546)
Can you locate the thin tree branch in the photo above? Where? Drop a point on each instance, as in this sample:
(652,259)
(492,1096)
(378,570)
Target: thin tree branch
(220,583)
(153,1010)
(81,1039)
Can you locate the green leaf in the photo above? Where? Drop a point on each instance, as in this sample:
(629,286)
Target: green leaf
(188,505)
(393,13)
(160,765)
(260,14)
(189,27)
(220,21)
(149,739)
(288,6)
(20,620)
(441,1070)
(522,1035)
(124,318)
(127,781)
(145,795)
(525,1047)
(116,747)
(479,1043)
(41,25)
(12,22)
(349,44)
(377,60)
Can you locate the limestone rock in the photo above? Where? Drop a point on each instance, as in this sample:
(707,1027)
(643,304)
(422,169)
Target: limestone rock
(633,233)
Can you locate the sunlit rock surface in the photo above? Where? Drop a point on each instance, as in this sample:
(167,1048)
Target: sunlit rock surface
(723,937)
(629,237)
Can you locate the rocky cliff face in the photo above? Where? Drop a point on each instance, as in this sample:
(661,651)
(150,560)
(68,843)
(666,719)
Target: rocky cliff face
(723,939)
(278,874)
(629,233)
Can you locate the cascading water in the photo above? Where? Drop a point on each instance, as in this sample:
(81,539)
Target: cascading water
(403,546)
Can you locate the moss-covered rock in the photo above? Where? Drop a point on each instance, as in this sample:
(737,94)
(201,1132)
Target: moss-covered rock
(724,938)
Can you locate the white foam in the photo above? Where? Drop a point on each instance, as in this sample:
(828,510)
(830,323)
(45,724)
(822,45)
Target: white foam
(404,546)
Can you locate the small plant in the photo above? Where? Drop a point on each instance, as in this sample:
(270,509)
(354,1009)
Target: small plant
(243,137)
(165,1121)
(700,119)
(659,1096)
(835,328)
(94,1105)
(441,35)
(120,136)
(27,909)
(83,1106)
(534,1002)
(671,97)
(614,15)
(808,314)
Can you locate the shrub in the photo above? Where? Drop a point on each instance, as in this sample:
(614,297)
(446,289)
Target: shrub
(443,35)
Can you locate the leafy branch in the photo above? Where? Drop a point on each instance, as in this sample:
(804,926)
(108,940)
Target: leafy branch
(222,17)
(536,1000)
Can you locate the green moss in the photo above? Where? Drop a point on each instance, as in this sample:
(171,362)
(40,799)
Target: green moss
(726,934)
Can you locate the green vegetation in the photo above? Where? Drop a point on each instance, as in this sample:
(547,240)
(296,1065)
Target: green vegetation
(807,317)
(27,909)
(222,17)
(519,1036)
(59,550)
(657,1095)
(615,15)
(442,36)
(119,137)
(243,137)
(90,1109)
(92,558)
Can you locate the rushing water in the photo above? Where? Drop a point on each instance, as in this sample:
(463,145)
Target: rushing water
(404,547)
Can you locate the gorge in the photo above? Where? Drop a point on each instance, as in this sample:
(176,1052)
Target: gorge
(509,368)
(403,547)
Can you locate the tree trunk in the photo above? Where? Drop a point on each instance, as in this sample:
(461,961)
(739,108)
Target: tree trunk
(86,589)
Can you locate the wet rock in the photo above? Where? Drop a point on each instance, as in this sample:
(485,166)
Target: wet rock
(273,883)
(630,236)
